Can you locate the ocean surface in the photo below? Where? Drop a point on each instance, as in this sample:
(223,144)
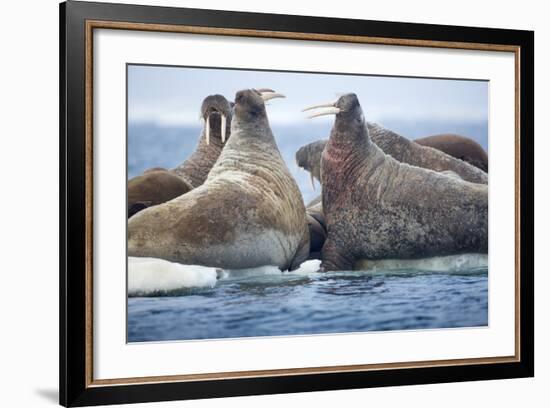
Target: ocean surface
(182,302)
(176,302)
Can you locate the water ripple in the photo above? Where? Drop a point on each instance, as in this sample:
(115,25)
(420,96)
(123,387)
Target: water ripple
(312,304)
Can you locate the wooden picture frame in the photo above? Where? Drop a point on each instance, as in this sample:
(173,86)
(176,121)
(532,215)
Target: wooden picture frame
(78,20)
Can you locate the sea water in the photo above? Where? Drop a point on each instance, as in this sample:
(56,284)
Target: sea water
(169,301)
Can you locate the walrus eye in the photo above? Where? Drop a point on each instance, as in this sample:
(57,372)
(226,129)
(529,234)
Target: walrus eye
(326,109)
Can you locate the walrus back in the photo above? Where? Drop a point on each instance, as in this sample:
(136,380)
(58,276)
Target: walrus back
(407,151)
(461,147)
(382,208)
(402,211)
(154,187)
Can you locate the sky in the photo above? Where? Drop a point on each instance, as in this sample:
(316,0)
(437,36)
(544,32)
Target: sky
(172,96)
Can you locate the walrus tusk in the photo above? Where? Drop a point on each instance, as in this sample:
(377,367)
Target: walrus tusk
(326,111)
(223,128)
(208,130)
(312,181)
(266,96)
(323,105)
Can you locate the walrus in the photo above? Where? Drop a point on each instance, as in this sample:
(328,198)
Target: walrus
(248,213)
(402,149)
(461,147)
(217,114)
(158,185)
(308,157)
(317,230)
(376,207)
(153,187)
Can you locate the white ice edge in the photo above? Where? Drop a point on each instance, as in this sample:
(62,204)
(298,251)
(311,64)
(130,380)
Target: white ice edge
(151,275)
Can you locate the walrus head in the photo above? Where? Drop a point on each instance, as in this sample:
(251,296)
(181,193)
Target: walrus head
(250,103)
(350,122)
(308,157)
(346,106)
(217,113)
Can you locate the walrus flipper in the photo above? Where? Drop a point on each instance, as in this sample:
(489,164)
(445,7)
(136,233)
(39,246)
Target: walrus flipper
(335,257)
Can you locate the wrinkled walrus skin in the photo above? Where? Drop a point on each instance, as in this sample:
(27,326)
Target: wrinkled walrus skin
(379,208)
(402,149)
(158,185)
(308,157)
(461,147)
(248,213)
(407,151)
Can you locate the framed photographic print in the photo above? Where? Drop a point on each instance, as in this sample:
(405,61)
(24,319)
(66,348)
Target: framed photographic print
(255,203)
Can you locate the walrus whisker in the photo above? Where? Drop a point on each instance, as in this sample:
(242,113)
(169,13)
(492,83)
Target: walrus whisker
(322,105)
(266,96)
(208,130)
(326,111)
(223,128)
